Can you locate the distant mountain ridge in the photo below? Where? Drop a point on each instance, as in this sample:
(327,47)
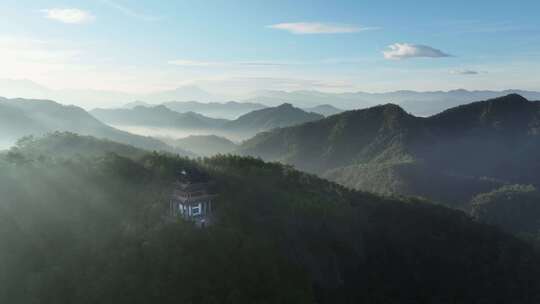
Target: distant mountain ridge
(21,117)
(324,109)
(270,118)
(157,116)
(387,150)
(419,103)
(245,126)
(228,110)
(91,98)
(225,110)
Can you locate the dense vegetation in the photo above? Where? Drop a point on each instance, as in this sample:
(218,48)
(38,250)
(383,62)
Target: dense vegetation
(448,157)
(515,208)
(91,229)
(70,145)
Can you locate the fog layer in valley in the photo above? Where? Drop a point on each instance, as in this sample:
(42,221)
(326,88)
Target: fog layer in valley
(173,133)
(4,145)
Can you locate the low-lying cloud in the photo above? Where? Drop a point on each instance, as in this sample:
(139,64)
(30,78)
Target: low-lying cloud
(398,51)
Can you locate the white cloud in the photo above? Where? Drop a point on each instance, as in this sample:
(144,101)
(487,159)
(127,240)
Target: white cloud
(464,72)
(319,28)
(128,11)
(399,51)
(68,15)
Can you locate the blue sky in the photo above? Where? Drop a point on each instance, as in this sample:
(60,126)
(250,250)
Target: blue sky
(235,47)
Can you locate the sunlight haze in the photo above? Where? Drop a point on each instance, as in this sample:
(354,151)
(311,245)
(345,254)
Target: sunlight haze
(230,50)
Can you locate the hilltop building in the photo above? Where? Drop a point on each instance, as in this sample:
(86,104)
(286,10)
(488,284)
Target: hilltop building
(192,198)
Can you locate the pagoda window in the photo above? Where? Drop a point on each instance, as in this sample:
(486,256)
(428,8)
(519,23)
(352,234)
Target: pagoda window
(196,210)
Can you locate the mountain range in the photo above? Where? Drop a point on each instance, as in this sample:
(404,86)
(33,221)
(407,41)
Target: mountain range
(228,110)
(22,117)
(90,98)
(244,126)
(418,103)
(448,157)
(157,116)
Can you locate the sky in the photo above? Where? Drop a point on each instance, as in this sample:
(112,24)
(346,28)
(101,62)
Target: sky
(237,47)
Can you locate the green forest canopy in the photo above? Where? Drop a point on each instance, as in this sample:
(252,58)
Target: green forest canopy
(91,229)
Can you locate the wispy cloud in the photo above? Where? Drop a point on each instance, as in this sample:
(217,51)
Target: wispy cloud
(265,63)
(34,58)
(68,15)
(197,63)
(398,51)
(27,50)
(464,72)
(192,63)
(303,28)
(128,11)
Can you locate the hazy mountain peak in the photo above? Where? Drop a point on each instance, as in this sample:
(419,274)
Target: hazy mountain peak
(381,111)
(136,103)
(161,107)
(193,114)
(392,107)
(513,98)
(324,109)
(274,117)
(285,105)
(229,110)
(511,102)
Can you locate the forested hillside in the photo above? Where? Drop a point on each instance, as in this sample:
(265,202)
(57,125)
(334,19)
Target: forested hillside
(91,229)
(281,116)
(449,157)
(515,208)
